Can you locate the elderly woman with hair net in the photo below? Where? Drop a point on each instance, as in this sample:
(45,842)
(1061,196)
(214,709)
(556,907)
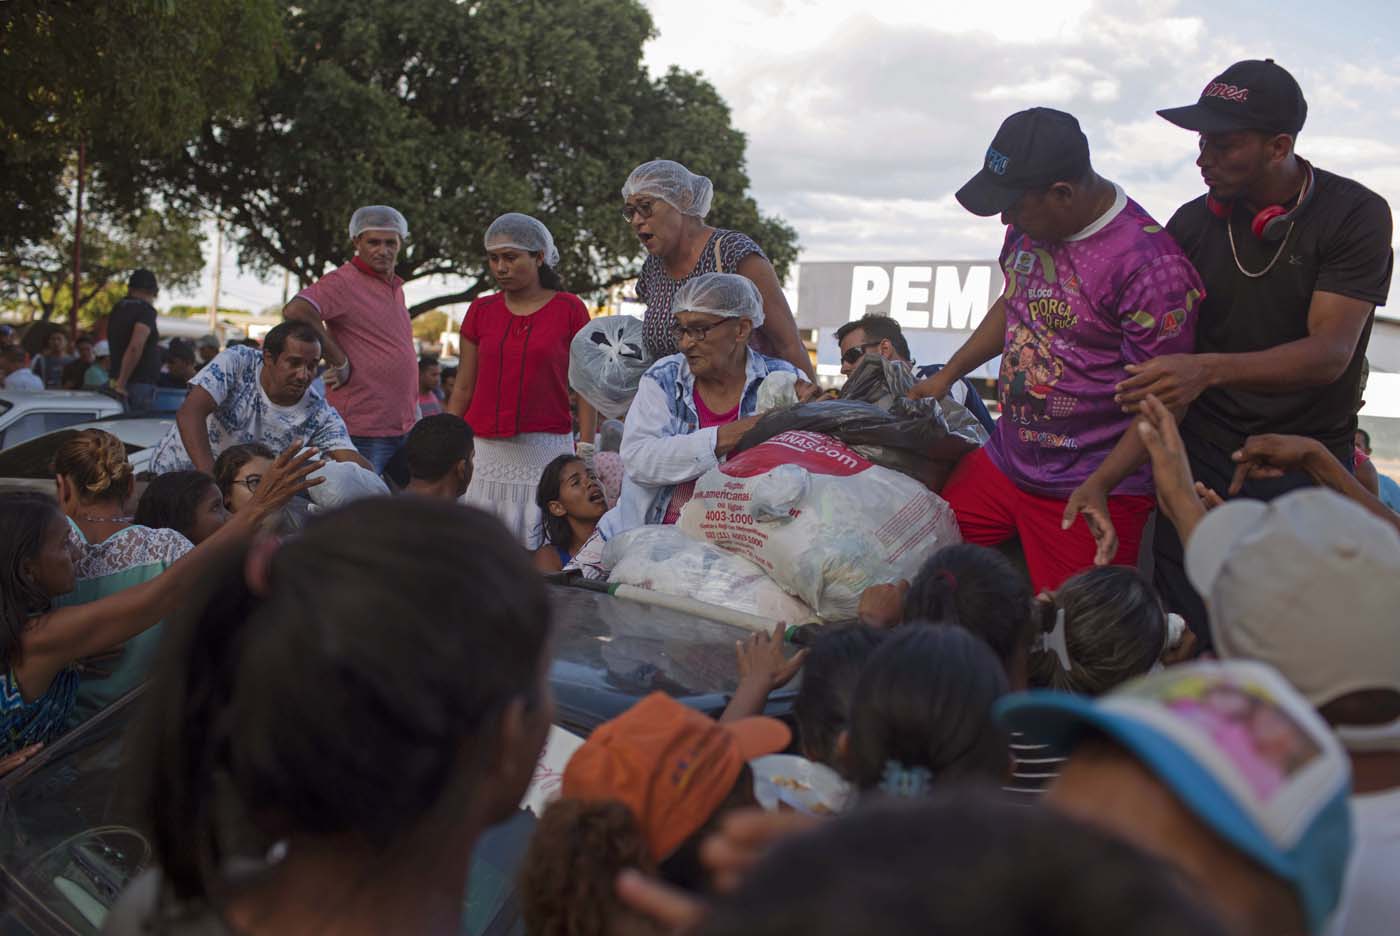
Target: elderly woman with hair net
(512,381)
(692,408)
(666,205)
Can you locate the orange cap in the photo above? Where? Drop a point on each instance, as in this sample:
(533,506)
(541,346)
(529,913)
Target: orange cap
(671,765)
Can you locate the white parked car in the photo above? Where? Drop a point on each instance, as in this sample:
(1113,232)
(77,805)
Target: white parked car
(29,465)
(28,414)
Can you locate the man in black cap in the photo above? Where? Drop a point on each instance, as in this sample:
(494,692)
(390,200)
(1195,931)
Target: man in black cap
(1295,259)
(134,340)
(1092,284)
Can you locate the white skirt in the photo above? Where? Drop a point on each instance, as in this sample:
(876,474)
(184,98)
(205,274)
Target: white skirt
(505,475)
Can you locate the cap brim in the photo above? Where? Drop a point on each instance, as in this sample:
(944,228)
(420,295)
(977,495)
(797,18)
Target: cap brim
(759,736)
(1060,719)
(1215,538)
(1202,119)
(984,196)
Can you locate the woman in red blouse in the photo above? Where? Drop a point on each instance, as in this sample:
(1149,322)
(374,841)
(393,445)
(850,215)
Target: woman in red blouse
(513,378)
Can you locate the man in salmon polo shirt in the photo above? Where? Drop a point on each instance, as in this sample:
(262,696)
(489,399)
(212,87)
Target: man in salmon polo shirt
(371,361)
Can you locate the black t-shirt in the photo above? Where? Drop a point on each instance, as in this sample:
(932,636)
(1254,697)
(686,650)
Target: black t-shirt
(126,315)
(1340,243)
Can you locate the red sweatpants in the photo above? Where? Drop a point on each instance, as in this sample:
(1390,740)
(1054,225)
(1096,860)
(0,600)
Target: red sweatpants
(991,509)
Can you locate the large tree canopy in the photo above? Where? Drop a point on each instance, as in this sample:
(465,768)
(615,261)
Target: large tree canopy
(455,112)
(127,78)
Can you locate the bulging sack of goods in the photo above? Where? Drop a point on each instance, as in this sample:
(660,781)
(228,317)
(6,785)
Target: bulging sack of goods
(824,522)
(665,559)
(606,361)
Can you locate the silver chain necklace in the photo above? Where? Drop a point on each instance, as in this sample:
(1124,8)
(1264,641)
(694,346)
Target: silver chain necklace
(1230,228)
(103,519)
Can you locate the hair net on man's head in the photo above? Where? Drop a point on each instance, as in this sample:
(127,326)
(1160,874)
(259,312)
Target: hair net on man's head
(377,218)
(522,232)
(674,184)
(725,294)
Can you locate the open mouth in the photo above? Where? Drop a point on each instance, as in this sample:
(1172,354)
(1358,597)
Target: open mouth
(596,497)
(645,238)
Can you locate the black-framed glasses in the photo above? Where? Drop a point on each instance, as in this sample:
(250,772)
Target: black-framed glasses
(696,333)
(641,208)
(251,482)
(856,352)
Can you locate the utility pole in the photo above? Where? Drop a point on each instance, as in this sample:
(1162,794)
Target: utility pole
(286,286)
(218,270)
(78,244)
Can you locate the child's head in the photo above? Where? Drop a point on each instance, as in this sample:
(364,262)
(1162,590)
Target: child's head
(280,693)
(822,709)
(979,590)
(568,490)
(922,711)
(188,502)
(1102,628)
(238,471)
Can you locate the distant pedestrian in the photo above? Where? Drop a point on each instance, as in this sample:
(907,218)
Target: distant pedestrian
(358,310)
(207,348)
(429,386)
(98,374)
(76,369)
(49,365)
(135,342)
(13,373)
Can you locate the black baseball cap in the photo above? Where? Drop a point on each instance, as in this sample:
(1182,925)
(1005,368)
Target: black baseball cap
(1249,95)
(1033,150)
(143,280)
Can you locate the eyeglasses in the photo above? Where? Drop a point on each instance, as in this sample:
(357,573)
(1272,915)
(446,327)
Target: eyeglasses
(856,352)
(696,333)
(251,482)
(641,208)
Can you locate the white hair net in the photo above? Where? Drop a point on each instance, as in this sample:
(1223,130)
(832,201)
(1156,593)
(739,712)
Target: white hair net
(377,218)
(674,184)
(522,232)
(728,295)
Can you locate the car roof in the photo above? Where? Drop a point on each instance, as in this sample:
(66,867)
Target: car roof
(60,399)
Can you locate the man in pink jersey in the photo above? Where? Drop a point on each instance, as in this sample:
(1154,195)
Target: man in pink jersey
(1093,284)
(366,335)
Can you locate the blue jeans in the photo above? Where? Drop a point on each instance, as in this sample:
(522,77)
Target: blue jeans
(140,396)
(377,450)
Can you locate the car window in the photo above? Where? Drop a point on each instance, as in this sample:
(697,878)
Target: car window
(32,425)
(34,459)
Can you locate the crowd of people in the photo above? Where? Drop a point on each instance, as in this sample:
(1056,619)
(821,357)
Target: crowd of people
(1205,742)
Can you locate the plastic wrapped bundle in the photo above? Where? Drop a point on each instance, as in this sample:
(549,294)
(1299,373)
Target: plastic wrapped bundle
(343,482)
(665,559)
(606,361)
(822,521)
(886,384)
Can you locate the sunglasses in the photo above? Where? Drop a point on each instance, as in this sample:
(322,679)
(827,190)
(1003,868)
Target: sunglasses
(856,352)
(696,332)
(641,208)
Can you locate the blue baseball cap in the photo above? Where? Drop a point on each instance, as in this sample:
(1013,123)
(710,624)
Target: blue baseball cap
(1239,748)
(1032,150)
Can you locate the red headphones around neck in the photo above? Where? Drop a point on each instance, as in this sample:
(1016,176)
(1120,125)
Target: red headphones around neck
(1270,224)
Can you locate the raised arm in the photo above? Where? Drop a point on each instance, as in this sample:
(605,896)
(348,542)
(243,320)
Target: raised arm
(986,343)
(192,419)
(299,310)
(778,323)
(69,634)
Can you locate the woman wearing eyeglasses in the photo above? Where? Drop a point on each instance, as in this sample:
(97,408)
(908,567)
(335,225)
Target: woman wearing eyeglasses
(513,377)
(239,470)
(666,205)
(692,408)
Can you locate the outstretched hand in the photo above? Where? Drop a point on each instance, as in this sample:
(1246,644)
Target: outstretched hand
(761,660)
(1271,456)
(288,477)
(1171,469)
(1174,379)
(1090,501)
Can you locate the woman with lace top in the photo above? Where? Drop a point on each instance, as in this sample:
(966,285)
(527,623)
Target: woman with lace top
(41,644)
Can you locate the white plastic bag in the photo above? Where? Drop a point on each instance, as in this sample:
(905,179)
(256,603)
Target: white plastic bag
(606,361)
(344,482)
(664,559)
(822,521)
(778,390)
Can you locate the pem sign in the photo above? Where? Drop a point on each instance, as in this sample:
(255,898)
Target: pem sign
(938,303)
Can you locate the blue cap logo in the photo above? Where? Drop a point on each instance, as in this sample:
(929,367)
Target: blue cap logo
(996,162)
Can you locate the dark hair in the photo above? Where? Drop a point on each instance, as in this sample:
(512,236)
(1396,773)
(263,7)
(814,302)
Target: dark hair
(436,444)
(1115,629)
(232,459)
(550,279)
(275,341)
(683,867)
(557,531)
(83,339)
(13,353)
(976,588)
(568,877)
(427,361)
(449,372)
(296,706)
(24,518)
(822,708)
(959,865)
(171,501)
(925,701)
(877,328)
(96,462)
(1365,436)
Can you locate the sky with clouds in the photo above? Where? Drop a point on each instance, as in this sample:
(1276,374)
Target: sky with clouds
(863,119)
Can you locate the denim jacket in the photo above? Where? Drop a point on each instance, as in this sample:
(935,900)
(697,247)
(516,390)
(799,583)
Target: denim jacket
(662,444)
